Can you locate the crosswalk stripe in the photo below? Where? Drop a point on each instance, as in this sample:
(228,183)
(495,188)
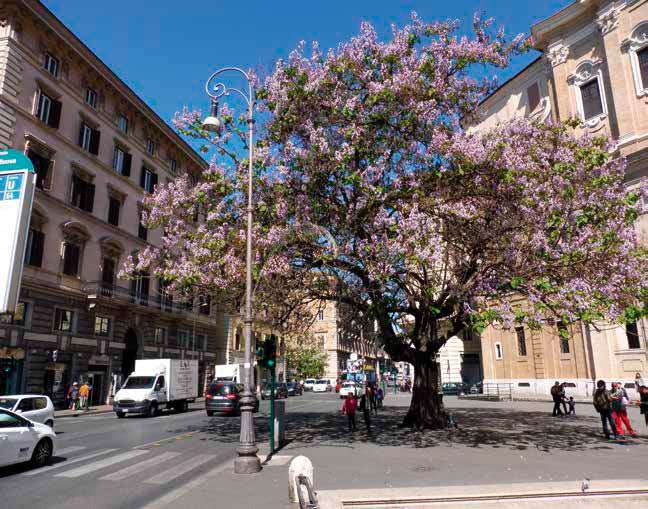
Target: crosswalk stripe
(98,465)
(68,450)
(70,462)
(180,469)
(139,467)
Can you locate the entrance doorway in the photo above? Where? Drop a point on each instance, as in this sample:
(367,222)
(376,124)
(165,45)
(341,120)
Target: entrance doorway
(130,353)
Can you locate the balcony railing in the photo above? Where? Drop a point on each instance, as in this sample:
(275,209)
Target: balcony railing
(108,291)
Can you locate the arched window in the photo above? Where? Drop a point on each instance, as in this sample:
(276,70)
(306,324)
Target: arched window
(637,48)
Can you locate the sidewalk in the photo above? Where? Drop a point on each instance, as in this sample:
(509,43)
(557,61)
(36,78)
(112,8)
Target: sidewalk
(506,443)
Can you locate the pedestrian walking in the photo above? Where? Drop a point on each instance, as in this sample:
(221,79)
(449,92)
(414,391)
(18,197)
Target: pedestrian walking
(74,396)
(379,397)
(642,390)
(563,397)
(556,395)
(84,392)
(349,409)
(373,402)
(619,409)
(366,410)
(572,406)
(603,405)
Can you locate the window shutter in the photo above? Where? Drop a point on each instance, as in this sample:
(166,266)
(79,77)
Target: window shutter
(81,134)
(76,185)
(68,267)
(126,169)
(55,114)
(145,284)
(154,181)
(108,274)
(143,176)
(38,245)
(95,136)
(89,197)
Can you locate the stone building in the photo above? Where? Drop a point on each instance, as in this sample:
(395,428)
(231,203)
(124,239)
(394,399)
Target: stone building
(339,332)
(592,65)
(98,149)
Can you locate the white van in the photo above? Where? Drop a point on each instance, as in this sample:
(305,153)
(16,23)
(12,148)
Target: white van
(156,383)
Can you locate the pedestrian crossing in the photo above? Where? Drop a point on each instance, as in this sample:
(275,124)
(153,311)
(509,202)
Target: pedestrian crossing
(151,466)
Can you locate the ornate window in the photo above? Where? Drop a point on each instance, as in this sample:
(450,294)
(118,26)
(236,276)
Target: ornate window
(637,47)
(75,236)
(589,90)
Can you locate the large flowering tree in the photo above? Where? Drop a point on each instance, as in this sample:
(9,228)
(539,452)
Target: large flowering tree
(429,230)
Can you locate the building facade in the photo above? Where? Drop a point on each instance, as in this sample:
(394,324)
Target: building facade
(98,149)
(340,333)
(593,65)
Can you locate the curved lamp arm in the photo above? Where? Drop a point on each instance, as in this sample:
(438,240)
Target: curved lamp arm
(219,89)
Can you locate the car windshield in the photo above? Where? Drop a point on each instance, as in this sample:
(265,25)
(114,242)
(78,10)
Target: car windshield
(321,382)
(309,381)
(7,403)
(221,389)
(139,382)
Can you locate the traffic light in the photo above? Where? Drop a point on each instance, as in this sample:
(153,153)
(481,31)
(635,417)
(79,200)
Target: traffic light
(7,366)
(270,352)
(267,353)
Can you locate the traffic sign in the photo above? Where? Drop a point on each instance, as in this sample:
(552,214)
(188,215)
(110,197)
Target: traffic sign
(17,183)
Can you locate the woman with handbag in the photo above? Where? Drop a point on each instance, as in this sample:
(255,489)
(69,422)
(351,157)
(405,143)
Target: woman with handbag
(619,412)
(642,389)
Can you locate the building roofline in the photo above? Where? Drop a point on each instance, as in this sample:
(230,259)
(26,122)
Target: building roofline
(509,80)
(564,15)
(57,26)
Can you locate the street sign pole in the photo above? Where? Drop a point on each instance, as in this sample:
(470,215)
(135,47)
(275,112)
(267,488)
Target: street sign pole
(17,183)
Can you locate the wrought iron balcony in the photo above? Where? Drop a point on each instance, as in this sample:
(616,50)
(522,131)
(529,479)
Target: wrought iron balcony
(99,289)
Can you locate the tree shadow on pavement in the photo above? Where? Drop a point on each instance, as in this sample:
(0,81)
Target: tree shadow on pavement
(484,427)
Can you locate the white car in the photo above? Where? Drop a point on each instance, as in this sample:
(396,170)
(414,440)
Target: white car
(350,388)
(321,386)
(34,407)
(308,384)
(23,440)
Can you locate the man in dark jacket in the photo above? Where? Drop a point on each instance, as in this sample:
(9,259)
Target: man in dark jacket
(556,395)
(603,405)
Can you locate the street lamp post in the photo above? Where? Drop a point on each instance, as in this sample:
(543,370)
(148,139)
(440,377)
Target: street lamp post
(247,461)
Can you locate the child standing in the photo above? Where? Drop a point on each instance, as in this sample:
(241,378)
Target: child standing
(572,406)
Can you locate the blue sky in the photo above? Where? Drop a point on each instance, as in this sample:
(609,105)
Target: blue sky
(165,54)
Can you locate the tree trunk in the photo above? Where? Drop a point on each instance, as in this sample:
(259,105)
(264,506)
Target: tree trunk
(426,408)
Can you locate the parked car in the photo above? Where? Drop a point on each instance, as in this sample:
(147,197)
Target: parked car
(294,389)
(23,440)
(281,391)
(308,384)
(225,397)
(34,407)
(476,388)
(350,388)
(322,386)
(453,389)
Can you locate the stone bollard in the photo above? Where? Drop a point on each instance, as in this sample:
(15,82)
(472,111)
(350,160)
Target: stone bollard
(300,465)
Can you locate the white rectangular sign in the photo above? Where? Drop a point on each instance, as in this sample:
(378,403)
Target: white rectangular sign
(16,196)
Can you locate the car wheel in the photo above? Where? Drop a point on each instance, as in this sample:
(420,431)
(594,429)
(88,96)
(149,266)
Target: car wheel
(152,410)
(42,453)
(210,413)
(50,423)
(121,415)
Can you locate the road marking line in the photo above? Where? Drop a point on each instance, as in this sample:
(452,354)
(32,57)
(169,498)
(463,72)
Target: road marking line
(158,441)
(67,450)
(174,495)
(70,462)
(181,469)
(98,465)
(139,467)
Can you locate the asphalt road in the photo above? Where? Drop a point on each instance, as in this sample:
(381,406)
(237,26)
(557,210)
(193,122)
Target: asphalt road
(105,462)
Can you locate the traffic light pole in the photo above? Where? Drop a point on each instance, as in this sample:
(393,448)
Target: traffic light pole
(273,385)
